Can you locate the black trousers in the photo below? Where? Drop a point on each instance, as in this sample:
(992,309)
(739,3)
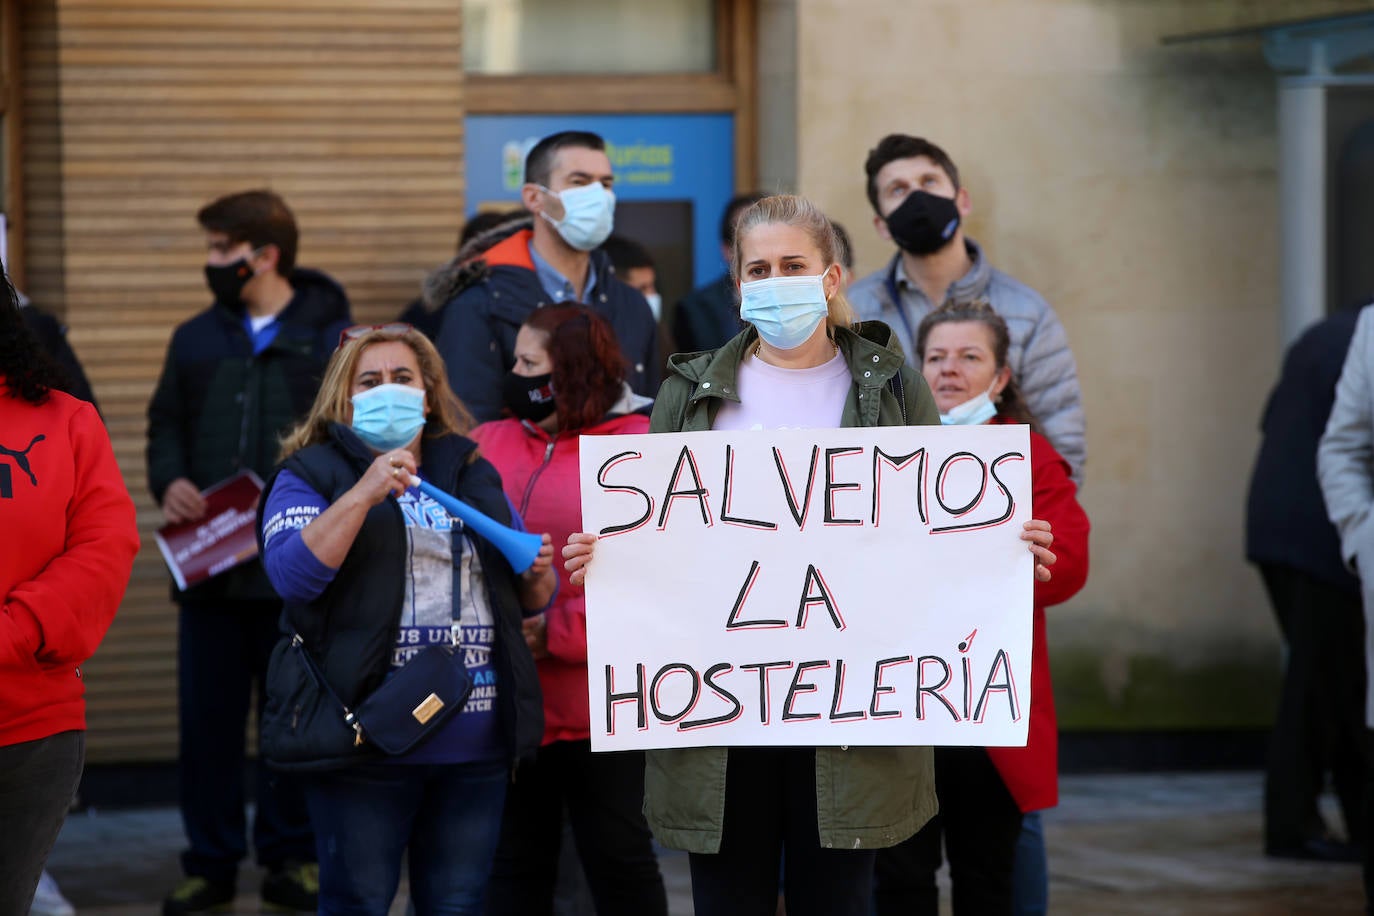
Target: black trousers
(222,653)
(1367,816)
(1320,720)
(37,782)
(978,823)
(770,808)
(604,797)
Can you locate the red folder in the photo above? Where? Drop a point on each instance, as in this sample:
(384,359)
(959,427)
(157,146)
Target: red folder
(222,539)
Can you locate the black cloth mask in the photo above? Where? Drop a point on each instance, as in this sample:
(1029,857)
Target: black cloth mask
(228,280)
(529,397)
(924,223)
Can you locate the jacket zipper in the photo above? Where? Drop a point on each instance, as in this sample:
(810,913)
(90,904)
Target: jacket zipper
(529,487)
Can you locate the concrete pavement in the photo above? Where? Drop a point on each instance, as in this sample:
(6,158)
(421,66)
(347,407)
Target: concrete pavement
(1155,844)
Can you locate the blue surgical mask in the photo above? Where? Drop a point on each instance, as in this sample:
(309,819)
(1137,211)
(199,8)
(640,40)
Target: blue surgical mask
(389,416)
(588,215)
(785,310)
(976,411)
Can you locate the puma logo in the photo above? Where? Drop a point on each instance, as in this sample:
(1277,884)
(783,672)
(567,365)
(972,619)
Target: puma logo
(22,458)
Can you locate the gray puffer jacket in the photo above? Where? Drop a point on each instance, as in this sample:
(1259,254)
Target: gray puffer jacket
(1040,358)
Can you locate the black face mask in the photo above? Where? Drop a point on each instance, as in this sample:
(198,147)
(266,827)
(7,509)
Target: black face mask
(529,397)
(924,223)
(227,281)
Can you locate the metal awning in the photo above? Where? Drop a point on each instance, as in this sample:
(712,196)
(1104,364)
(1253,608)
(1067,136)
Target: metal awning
(1315,46)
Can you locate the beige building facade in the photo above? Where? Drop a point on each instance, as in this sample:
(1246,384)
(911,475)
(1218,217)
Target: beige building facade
(1135,185)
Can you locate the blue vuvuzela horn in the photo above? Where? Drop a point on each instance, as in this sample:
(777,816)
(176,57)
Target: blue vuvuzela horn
(518,547)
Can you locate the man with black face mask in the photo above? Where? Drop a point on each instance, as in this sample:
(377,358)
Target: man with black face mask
(920,206)
(238,374)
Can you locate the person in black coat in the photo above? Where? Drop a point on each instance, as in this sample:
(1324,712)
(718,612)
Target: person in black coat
(238,374)
(51,334)
(709,315)
(1317,602)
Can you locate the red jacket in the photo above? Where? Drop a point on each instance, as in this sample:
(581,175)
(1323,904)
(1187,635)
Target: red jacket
(541,476)
(69,544)
(1031,773)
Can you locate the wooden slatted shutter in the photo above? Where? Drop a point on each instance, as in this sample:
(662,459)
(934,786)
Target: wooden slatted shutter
(136,114)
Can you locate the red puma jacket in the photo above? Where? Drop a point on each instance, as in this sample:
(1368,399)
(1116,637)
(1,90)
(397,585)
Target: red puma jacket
(69,539)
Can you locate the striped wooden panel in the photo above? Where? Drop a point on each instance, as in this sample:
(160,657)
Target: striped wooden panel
(138,113)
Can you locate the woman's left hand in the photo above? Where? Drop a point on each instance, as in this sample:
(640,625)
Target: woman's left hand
(543,561)
(1037,533)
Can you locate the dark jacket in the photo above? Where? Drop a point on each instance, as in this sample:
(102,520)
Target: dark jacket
(477,333)
(708,316)
(464,269)
(350,629)
(1286,523)
(52,336)
(218,409)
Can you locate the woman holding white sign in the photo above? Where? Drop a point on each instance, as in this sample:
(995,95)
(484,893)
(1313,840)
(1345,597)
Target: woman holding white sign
(569,381)
(983,792)
(802,363)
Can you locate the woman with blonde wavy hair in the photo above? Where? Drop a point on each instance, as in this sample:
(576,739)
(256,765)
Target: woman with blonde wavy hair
(373,571)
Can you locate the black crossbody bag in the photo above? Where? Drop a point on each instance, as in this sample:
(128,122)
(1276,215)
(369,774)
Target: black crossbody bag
(410,705)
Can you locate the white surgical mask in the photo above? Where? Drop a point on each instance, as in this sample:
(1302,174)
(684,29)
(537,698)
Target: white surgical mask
(785,310)
(389,416)
(976,411)
(588,215)
(655,304)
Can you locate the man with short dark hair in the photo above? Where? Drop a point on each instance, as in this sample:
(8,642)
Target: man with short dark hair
(709,315)
(919,205)
(237,375)
(568,184)
(635,266)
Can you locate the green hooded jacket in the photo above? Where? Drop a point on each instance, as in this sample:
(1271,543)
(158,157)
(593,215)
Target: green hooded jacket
(866,797)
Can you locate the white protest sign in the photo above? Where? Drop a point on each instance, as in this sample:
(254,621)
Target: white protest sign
(809,587)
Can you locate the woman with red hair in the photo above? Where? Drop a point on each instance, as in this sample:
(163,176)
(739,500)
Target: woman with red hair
(568,381)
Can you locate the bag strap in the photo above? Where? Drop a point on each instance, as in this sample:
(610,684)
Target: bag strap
(350,720)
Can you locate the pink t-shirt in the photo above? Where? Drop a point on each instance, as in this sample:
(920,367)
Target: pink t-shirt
(775,398)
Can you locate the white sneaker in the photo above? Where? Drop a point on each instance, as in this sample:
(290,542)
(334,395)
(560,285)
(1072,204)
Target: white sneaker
(48,900)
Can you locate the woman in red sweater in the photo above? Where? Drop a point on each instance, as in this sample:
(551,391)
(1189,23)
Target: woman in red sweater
(568,381)
(69,547)
(984,792)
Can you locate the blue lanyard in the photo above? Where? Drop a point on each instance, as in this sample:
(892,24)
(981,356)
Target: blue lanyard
(897,303)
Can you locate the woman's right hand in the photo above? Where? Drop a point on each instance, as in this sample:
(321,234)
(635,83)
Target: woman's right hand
(390,472)
(577,555)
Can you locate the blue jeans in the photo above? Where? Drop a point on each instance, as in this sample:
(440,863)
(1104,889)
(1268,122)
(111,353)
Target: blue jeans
(366,817)
(1030,876)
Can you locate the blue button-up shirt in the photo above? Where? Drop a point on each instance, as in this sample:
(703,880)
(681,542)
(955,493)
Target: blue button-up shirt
(559,288)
